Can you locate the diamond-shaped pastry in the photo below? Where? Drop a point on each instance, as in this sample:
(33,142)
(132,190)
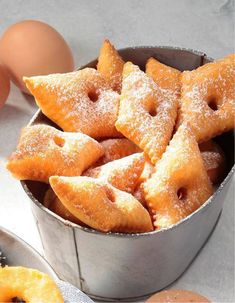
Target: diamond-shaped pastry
(180,184)
(146,115)
(100,205)
(44,151)
(81,101)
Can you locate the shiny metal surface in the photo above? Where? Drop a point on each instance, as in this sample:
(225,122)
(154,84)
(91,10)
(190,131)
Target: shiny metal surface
(116,267)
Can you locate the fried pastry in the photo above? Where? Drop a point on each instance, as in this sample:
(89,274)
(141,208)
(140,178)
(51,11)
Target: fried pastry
(44,151)
(207,101)
(214,160)
(52,202)
(180,184)
(148,170)
(122,174)
(21,284)
(146,116)
(139,194)
(100,205)
(166,77)
(115,149)
(110,65)
(81,101)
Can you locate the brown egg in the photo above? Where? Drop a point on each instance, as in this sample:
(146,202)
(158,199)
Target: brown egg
(177,296)
(30,48)
(4,86)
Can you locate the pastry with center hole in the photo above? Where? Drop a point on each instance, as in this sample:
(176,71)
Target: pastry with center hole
(44,151)
(81,101)
(21,284)
(208,100)
(100,205)
(180,184)
(146,116)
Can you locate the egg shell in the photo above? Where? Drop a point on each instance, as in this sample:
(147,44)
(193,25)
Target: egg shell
(4,85)
(30,48)
(177,296)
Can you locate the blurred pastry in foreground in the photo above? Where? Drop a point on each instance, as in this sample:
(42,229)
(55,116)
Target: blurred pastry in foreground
(44,151)
(100,205)
(110,65)
(21,284)
(180,184)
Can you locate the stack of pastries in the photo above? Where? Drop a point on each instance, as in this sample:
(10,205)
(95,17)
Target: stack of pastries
(135,150)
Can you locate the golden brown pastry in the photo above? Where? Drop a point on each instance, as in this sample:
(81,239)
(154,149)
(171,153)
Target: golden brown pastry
(214,160)
(52,202)
(166,77)
(146,116)
(208,102)
(110,65)
(180,184)
(100,205)
(115,149)
(123,174)
(44,151)
(81,101)
(21,284)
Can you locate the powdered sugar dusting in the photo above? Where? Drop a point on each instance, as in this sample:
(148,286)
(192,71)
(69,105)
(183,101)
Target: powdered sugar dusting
(115,149)
(48,151)
(180,170)
(147,112)
(66,99)
(123,173)
(207,86)
(110,65)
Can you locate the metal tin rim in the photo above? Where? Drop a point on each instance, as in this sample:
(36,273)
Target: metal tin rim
(134,235)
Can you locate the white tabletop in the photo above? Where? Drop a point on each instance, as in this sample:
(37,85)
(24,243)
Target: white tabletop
(203,25)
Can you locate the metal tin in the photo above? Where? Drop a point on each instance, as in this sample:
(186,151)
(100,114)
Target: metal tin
(113,267)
